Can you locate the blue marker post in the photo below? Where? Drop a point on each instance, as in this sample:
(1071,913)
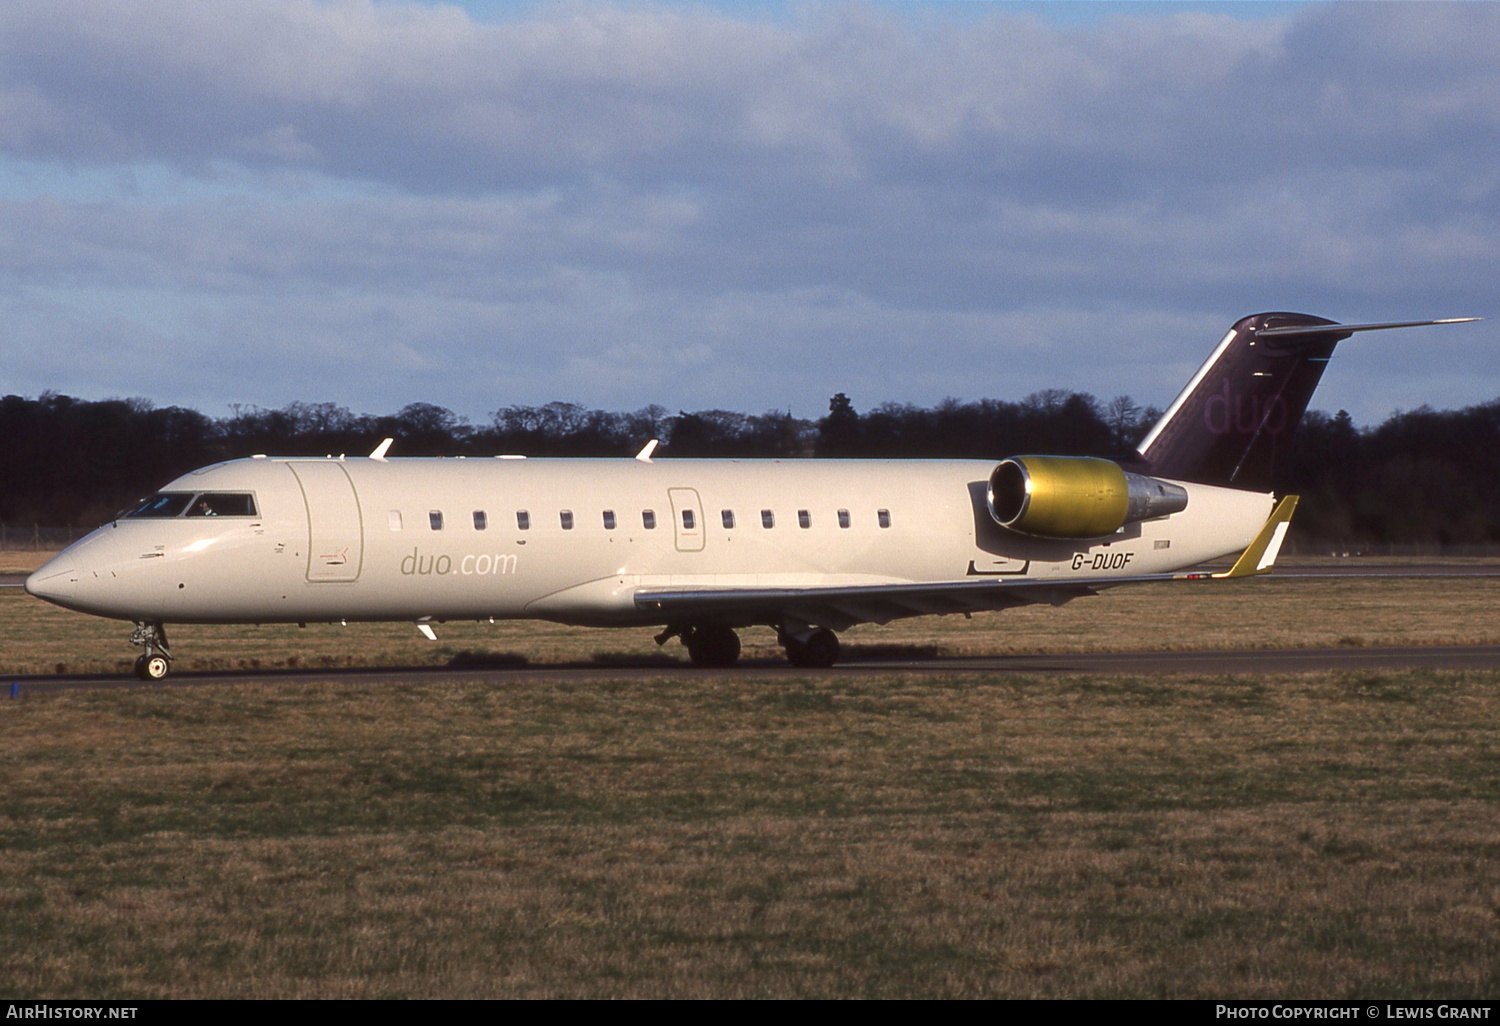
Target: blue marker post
(15,689)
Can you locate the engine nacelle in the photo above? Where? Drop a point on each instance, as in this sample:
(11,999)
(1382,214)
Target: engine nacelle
(1076,496)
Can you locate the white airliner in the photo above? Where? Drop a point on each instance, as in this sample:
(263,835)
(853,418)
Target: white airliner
(704,547)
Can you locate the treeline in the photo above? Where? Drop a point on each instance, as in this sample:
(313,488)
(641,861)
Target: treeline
(1421,477)
(1425,476)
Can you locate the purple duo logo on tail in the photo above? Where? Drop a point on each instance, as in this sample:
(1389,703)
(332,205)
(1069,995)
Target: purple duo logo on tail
(1238,413)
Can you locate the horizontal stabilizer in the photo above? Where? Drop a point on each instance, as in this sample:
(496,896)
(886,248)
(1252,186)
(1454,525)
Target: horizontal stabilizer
(1344,330)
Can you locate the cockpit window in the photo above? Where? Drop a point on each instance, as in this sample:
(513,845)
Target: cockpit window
(163,504)
(203,504)
(223,504)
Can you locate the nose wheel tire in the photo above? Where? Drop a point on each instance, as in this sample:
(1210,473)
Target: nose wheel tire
(156,661)
(152,667)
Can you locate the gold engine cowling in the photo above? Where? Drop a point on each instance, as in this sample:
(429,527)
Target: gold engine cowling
(1076,496)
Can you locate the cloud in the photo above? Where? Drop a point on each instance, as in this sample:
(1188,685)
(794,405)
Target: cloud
(624,204)
(422,97)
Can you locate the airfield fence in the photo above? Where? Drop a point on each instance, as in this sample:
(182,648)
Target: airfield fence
(35,538)
(1323,547)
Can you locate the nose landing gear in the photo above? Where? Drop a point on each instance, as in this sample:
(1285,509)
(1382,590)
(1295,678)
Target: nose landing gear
(156,661)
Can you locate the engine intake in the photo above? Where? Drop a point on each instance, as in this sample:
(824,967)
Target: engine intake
(1076,496)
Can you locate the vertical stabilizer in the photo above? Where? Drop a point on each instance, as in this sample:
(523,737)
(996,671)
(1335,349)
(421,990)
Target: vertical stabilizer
(1236,415)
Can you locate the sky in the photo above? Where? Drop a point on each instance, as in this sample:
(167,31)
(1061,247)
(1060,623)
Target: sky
(747,207)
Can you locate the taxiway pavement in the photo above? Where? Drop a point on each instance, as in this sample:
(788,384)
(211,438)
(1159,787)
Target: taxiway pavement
(1201,663)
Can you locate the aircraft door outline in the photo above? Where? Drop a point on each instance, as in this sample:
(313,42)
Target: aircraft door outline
(335,523)
(688,529)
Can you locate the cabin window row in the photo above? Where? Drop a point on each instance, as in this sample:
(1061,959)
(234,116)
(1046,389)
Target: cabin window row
(648,519)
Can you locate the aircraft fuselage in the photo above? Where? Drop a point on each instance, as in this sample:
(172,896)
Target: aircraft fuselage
(575,541)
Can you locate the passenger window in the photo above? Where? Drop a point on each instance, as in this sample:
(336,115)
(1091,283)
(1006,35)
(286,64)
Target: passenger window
(480,520)
(394,519)
(435,519)
(767,518)
(728,517)
(804,518)
(566,516)
(843,518)
(885,517)
(609,520)
(523,520)
(648,519)
(688,520)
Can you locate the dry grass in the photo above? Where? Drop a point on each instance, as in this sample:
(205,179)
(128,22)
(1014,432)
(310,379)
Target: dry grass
(1264,613)
(1314,836)
(22,561)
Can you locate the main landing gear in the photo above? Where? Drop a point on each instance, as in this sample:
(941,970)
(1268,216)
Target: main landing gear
(708,645)
(155,662)
(816,650)
(716,647)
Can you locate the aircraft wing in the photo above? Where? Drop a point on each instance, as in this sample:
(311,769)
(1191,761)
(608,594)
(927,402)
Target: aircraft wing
(842,607)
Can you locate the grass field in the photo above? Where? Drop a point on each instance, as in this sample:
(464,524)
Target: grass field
(1328,835)
(1315,836)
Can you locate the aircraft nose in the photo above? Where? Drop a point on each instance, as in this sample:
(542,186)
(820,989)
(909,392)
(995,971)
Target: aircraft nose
(53,584)
(86,576)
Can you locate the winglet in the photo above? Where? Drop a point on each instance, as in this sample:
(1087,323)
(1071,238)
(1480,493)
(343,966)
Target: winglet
(1261,553)
(381,449)
(646,450)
